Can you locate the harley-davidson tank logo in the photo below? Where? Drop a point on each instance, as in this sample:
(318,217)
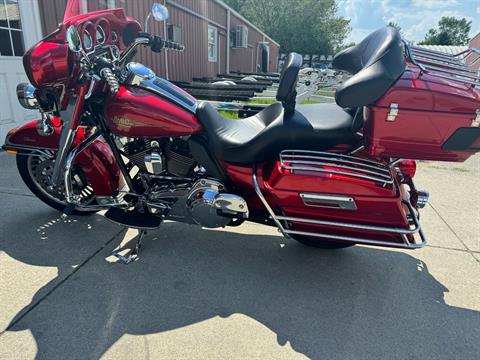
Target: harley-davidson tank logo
(124,122)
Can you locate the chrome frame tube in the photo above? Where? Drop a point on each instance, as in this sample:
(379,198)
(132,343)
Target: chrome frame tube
(66,140)
(69,163)
(265,203)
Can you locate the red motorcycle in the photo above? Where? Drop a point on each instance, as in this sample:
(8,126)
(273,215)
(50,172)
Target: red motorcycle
(115,136)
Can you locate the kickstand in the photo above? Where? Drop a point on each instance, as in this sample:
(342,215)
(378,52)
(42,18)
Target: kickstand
(133,255)
(68,211)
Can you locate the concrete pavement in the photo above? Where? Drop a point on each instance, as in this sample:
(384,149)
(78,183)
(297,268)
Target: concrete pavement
(240,294)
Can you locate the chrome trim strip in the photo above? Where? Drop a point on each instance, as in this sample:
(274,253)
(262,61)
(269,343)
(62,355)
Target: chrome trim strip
(329,201)
(31,150)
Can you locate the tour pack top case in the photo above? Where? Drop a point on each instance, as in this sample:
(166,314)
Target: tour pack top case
(432,112)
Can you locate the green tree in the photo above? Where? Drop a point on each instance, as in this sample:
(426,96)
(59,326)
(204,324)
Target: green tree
(304,26)
(235,4)
(394,25)
(450,31)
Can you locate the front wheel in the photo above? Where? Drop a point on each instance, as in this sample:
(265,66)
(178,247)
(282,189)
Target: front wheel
(321,244)
(36,172)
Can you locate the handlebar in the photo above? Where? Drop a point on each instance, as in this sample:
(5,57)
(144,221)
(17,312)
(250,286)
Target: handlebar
(105,68)
(157,43)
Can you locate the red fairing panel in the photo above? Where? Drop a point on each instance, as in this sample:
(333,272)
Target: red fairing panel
(135,112)
(96,161)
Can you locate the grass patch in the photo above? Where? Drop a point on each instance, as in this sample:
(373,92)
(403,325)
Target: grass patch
(304,102)
(229,114)
(260,101)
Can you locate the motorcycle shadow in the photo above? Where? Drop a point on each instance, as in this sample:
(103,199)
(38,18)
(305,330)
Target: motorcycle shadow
(352,303)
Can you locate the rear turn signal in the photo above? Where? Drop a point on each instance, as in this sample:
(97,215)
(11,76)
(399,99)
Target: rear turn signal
(408,168)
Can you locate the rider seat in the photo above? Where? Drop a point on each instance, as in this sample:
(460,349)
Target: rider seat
(279,126)
(264,135)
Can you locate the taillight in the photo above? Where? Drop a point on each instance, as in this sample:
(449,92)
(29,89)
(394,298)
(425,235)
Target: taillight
(407,168)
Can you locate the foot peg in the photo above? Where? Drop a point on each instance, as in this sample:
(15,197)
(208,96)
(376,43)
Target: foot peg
(133,254)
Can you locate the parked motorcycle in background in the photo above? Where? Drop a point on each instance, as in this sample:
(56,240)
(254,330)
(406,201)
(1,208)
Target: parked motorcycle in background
(115,136)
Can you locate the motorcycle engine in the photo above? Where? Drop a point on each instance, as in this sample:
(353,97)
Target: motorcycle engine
(202,201)
(155,157)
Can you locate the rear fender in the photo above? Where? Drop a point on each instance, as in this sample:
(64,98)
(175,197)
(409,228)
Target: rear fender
(96,161)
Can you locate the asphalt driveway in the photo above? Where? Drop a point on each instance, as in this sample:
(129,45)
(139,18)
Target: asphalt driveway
(240,294)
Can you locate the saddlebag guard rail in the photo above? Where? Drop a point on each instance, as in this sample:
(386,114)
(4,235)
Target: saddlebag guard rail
(282,222)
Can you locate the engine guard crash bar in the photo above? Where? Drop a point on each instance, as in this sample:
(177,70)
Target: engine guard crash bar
(69,197)
(417,229)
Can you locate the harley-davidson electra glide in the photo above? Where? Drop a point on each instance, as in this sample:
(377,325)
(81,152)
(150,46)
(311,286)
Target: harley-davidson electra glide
(113,135)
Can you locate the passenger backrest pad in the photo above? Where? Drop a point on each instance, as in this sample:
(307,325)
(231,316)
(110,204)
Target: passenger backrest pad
(286,92)
(375,63)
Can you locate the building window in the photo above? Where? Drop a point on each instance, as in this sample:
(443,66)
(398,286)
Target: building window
(212,43)
(11,37)
(174,33)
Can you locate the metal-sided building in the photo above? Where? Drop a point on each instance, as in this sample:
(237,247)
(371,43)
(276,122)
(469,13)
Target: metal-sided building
(217,40)
(205,27)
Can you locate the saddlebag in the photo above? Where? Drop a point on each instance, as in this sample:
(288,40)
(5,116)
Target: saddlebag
(341,198)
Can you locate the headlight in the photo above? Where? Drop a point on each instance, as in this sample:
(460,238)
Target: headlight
(26,96)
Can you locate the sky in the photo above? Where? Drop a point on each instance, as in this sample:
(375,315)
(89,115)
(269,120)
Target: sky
(414,16)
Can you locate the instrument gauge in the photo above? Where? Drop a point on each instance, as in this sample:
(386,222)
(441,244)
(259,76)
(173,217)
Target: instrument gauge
(115,52)
(114,37)
(87,40)
(100,35)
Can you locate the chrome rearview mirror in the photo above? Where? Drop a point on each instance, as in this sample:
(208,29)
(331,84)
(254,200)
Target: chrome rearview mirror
(159,12)
(73,39)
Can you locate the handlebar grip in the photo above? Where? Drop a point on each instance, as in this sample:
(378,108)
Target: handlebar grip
(174,45)
(111,80)
(157,44)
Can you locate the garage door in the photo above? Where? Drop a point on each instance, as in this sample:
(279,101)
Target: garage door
(19,29)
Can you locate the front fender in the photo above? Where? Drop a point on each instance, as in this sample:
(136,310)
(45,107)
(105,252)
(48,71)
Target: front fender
(96,161)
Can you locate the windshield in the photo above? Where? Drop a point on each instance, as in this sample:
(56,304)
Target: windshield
(80,7)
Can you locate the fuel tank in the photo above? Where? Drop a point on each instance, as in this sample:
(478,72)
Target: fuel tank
(136,112)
